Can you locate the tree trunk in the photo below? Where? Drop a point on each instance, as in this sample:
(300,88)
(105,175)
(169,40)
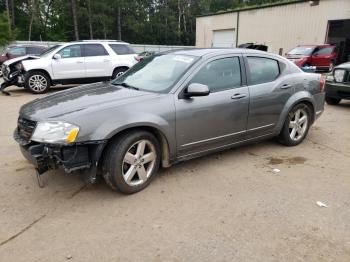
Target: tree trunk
(104,29)
(13,12)
(8,14)
(75,19)
(119,25)
(179,20)
(32,3)
(90,22)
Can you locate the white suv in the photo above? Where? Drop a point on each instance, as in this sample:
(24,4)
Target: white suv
(70,63)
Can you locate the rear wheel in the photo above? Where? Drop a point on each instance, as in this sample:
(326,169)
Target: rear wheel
(296,126)
(131,161)
(332,101)
(37,82)
(118,72)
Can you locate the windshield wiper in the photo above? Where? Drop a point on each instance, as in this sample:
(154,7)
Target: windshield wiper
(127,85)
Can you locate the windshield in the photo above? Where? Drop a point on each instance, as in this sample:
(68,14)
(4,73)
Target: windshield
(301,50)
(156,73)
(48,51)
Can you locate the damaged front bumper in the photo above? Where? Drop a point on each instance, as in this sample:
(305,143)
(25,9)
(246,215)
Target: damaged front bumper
(83,156)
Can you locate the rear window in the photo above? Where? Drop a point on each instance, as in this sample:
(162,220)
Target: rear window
(95,50)
(18,50)
(262,70)
(122,49)
(34,50)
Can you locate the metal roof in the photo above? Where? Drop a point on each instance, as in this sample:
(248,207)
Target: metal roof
(254,7)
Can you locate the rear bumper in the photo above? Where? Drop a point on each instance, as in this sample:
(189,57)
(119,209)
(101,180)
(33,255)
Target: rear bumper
(80,156)
(319,104)
(337,90)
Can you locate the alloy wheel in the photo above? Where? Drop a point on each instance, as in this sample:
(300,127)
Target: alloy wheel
(37,83)
(298,124)
(119,74)
(139,162)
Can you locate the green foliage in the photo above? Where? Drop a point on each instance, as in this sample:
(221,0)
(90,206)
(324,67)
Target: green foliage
(142,21)
(5,34)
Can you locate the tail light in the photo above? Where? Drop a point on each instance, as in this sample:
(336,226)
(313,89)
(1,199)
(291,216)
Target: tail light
(137,58)
(322,83)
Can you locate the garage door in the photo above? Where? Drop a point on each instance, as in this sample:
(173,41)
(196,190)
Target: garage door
(224,38)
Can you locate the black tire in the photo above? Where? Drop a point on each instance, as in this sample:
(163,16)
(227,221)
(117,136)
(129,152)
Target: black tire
(113,165)
(41,87)
(332,101)
(118,72)
(285,134)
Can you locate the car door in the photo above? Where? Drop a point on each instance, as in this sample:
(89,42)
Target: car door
(71,63)
(323,56)
(98,62)
(269,89)
(219,119)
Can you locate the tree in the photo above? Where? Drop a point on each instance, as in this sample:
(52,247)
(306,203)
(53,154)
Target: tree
(75,19)
(5,35)
(135,21)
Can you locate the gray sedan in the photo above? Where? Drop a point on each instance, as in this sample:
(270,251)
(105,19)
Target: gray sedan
(169,107)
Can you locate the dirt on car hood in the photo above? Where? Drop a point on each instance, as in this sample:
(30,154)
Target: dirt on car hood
(97,96)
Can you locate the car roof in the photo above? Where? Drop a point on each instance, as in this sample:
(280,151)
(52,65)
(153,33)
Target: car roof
(315,45)
(214,51)
(28,45)
(96,41)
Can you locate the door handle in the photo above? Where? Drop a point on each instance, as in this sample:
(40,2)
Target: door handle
(80,62)
(285,86)
(238,96)
(106,60)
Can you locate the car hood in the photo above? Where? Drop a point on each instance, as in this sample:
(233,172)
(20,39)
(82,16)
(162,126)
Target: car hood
(343,66)
(84,99)
(20,58)
(295,57)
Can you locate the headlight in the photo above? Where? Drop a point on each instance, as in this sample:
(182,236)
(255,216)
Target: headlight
(339,75)
(55,132)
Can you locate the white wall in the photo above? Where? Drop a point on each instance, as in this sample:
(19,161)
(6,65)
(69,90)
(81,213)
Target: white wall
(282,26)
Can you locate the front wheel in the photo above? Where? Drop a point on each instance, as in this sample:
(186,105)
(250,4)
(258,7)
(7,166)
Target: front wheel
(296,126)
(37,82)
(131,161)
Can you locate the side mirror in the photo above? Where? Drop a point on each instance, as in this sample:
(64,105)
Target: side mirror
(195,89)
(57,56)
(7,54)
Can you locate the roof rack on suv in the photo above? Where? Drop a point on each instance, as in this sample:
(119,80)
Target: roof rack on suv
(100,40)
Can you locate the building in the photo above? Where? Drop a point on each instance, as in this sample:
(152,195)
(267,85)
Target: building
(279,26)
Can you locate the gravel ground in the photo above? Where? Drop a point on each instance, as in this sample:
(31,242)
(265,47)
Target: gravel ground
(224,207)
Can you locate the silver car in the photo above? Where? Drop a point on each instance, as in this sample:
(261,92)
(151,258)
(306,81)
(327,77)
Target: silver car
(168,108)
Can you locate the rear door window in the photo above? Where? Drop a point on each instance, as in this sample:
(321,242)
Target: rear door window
(262,70)
(219,75)
(324,51)
(121,49)
(95,50)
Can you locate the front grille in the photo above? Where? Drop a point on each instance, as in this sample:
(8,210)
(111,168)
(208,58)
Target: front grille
(25,128)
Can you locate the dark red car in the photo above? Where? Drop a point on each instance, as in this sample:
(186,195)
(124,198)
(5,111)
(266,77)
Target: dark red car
(323,57)
(21,50)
